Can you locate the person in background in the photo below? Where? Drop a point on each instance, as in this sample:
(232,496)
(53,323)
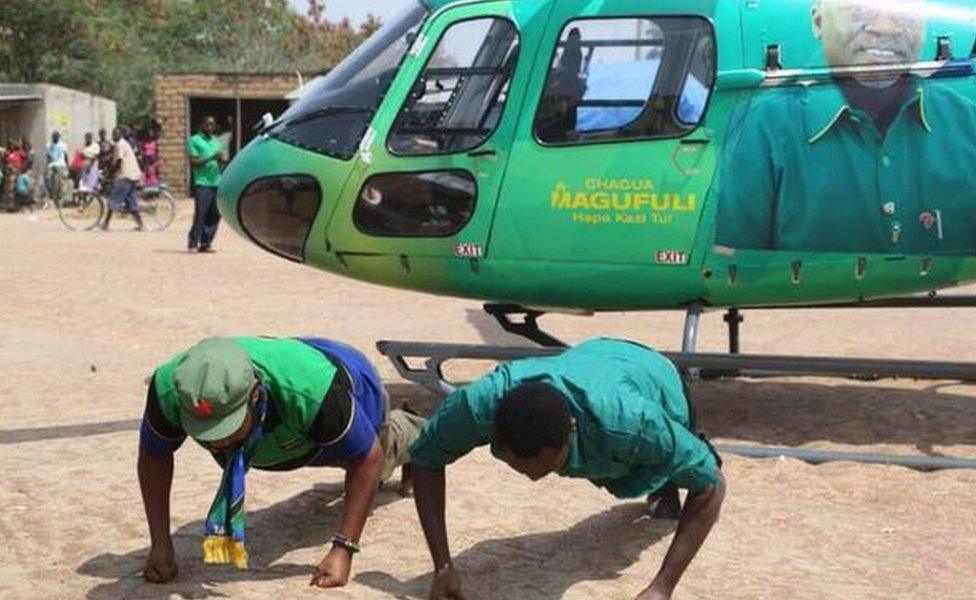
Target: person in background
(14,163)
(204,150)
(28,149)
(24,191)
(56,170)
(149,151)
(105,151)
(131,136)
(3,171)
(89,173)
(127,176)
(227,139)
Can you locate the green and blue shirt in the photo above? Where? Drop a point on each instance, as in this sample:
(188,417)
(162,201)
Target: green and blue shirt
(633,432)
(325,406)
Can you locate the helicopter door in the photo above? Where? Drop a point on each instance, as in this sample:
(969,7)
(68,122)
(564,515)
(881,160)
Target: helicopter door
(613,169)
(434,159)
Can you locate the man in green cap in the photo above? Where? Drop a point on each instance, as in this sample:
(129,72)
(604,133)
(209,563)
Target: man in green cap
(610,411)
(274,404)
(871,160)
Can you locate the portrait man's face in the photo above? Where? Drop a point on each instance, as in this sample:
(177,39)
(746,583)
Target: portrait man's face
(870,32)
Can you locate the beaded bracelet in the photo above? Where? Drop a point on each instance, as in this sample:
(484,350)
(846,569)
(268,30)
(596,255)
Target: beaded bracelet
(344,542)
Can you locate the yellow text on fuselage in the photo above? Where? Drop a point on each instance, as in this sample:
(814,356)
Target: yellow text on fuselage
(639,199)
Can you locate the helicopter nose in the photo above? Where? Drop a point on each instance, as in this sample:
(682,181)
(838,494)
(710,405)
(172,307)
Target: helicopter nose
(269,195)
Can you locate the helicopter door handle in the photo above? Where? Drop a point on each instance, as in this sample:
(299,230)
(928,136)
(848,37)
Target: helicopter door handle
(482,153)
(696,142)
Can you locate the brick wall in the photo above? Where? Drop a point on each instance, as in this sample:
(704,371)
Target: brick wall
(173,93)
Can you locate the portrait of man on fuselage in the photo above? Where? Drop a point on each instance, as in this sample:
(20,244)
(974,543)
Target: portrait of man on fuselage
(870,158)
(864,33)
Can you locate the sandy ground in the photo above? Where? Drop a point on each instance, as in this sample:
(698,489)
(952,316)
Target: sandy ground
(86,316)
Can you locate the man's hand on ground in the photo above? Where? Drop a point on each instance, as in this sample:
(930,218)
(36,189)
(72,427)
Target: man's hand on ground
(334,569)
(160,565)
(447,585)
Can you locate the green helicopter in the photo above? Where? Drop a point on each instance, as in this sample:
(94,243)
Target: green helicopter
(598,155)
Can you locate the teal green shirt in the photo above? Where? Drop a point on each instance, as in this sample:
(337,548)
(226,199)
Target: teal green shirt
(632,422)
(803,170)
(297,375)
(200,146)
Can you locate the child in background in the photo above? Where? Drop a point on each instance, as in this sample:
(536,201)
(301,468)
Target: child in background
(24,194)
(13,164)
(149,151)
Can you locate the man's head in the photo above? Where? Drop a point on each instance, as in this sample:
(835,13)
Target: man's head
(533,425)
(116,134)
(208,125)
(88,138)
(101,134)
(217,385)
(870,32)
(55,137)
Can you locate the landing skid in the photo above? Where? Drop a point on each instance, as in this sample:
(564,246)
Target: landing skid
(432,357)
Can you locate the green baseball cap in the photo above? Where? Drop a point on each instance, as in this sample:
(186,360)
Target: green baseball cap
(214,380)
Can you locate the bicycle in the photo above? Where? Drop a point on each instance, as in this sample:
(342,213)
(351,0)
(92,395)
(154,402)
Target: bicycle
(54,189)
(85,210)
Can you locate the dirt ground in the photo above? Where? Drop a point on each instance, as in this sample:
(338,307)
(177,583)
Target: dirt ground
(86,317)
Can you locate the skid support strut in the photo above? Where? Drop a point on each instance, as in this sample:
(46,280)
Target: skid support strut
(528,327)
(734,319)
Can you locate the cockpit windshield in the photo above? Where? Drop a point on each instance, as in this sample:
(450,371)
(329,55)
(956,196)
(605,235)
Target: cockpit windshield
(332,116)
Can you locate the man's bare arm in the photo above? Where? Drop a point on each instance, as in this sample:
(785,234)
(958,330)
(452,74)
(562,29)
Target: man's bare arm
(362,479)
(700,513)
(155,480)
(429,496)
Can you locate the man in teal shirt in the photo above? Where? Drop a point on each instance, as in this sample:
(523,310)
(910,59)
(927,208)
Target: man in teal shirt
(610,411)
(205,151)
(863,163)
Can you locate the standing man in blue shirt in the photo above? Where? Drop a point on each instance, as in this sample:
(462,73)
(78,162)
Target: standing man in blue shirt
(57,166)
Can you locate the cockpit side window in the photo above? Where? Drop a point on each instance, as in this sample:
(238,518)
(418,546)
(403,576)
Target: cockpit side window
(457,102)
(429,204)
(627,78)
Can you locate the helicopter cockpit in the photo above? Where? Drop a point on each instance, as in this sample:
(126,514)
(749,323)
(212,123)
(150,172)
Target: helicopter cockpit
(332,116)
(409,139)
